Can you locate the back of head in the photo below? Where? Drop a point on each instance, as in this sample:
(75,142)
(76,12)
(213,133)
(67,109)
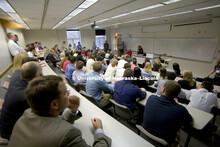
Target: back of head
(72,59)
(97,66)
(147,67)
(79,65)
(91,56)
(18,60)
(123,57)
(134,61)
(127,65)
(207,85)
(29,70)
(128,60)
(67,54)
(187,75)
(172,89)
(31,47)
(99,58)
(28,59)
(114,63)
(163,72)
(176,66)
(128,73)
(41,91)
(137,72)
(157,61)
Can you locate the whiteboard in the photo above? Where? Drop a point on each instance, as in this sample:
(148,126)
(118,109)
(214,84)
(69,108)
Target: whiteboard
(201,49)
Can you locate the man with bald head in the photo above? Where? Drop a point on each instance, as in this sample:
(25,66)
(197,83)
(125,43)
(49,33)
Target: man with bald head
(15,103)
(14,48)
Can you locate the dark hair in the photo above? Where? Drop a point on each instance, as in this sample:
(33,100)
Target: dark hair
(127,65)
(176,68)
(172,89)
(72,59)
(28,59)
(134,61)
(67,54)
(99,58)
(79,65)
(137,72)
(41,91)
(163,72)
(31,47)
(28,70)
(207,85)
(128,73)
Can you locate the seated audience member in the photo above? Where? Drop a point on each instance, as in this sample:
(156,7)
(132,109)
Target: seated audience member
(70,68)
(80,57)
(111,70)
(107,55)
(156,65)
(84,51)
(18,60)
(103,53)
(140,50)
(40,46)
(187,82)
(129,52)
(134,61)
(15,103)
(36,46)
(176,69)
(163,117)
(89,64)
(171,75)
(79,75)
(121,62)
(31,51)
(202,98)
(95,84)
(138,79)
(88,53)
(120,72)
(67,54)
(147,71)
(104,64)
(111,56)
(126,93)
(53,58)
(162,80)
(216,69)
(66,63)
(48,97)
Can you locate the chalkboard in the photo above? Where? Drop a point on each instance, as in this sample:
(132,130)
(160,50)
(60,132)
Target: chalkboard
(201,49)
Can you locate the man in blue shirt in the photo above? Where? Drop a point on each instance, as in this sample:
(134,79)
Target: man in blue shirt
(95,84)
(126,93)
(70,68)
(163,117)
(79,46)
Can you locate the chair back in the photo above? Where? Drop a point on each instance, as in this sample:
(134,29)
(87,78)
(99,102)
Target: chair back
(90,98)
(122,111)
(151,138)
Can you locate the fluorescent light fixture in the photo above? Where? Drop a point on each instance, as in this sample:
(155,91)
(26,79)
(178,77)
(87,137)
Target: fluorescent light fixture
(103,20)
(6,7)
(131,21)
(117,16)
(170,2)
(149,18)
(86,4)
(205,8)
(147,8)
(177,13)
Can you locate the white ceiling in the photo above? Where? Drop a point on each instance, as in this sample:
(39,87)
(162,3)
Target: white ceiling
(32,12)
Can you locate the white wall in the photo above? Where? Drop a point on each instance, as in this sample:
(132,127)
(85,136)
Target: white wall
(5,55)
(19,32)
(87,38)
(47,37)
(189,31)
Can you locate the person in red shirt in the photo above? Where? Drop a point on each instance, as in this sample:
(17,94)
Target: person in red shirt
(129,52)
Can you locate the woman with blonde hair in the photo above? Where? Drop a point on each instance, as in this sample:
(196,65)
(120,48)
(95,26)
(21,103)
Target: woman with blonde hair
(216,69)
(147,71)
(187,82)
(156,65)
(111,70)
(18,60)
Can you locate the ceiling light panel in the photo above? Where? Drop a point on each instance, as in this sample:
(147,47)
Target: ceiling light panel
(205,8)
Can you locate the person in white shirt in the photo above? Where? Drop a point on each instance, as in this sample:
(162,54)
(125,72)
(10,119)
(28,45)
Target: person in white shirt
(202,98)
(120,72)
(31,51)
(121,62)
(89,64)
(14,48)
(111,70)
